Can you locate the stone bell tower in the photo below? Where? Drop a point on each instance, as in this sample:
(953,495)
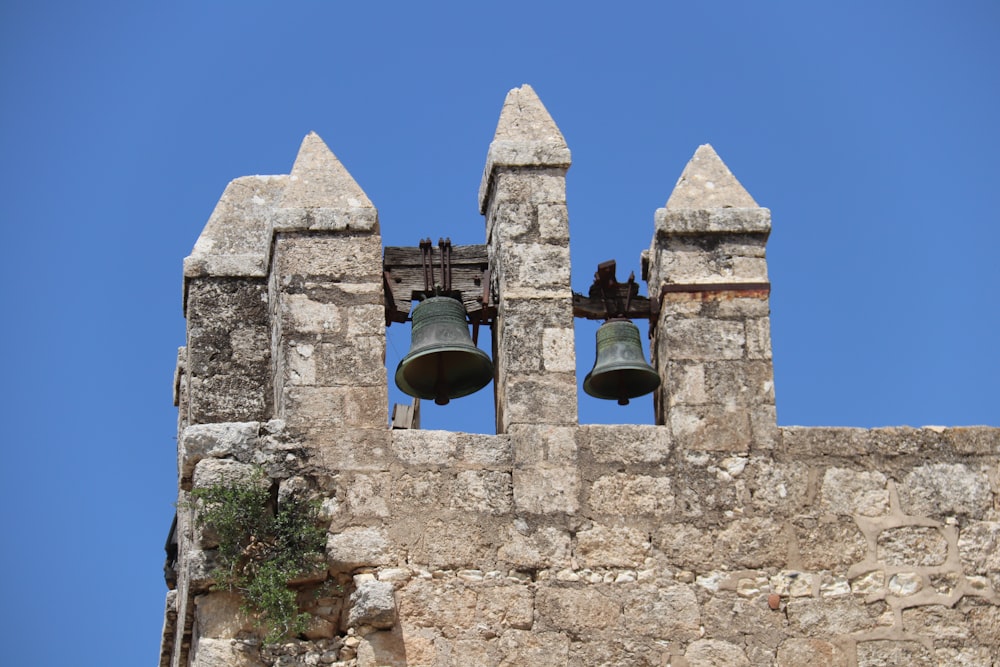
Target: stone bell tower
(713,537)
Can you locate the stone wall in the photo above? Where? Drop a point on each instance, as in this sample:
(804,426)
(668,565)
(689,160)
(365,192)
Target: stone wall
(712,538)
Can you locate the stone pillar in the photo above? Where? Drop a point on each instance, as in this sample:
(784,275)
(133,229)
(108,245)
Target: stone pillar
(328,322)
(224,371)
(712,343)
(523,196)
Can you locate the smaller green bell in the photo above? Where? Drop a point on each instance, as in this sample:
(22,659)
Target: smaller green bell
(620,370)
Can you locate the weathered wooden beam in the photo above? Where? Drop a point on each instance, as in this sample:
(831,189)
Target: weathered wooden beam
(594,309)
(405,278)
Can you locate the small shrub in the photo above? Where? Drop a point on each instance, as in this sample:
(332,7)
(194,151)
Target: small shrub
(261,548)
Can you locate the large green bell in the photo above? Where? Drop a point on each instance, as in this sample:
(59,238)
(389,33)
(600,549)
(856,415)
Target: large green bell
(620,370)
(443,363)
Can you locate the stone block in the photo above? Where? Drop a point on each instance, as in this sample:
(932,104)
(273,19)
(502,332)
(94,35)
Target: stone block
(524,548)
(903,584)
(612,546)
(890,653)
(739,618)
(696,265)
(869,583)
(372,603)
(210,652)
(778,488)
(912,546)
(339,407)
(300,315)
(824,617)
(979,547)
(739,382)
(357,361)
(764,426)
(546,490)
(700,219)
(846,492)
(556,445)
(708,491)
(505,606)
(540,184)
(701,339)
(359,547)
(984,621)
(576,610)
(536,335)
(462,653)
(669,613)
(383,649)
(558,350)
(946,489)
(220,615)
(213,472)
(970,656)
(828,543)
(905,440)
(425,448)
(540,399)
(227,397)
(485,450)
(758,332)
(237,440)
(518,648)
(335,448)
(626,443)
(453,543)
(337,257)
(553,223)
(446,606)
(485,491)
(810,441)
(719,428)
(714,652)
(513,219)
(752,543)
(417,491)
(685,546)
(686,383)
(324,219)
(974,440)
(367,494)
(622,494)
(797,652)
(533,265)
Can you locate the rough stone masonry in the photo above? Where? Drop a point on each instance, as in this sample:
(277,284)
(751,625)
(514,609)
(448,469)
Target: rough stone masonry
(715,537)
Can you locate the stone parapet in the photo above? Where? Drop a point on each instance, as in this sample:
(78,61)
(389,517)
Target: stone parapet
(715,537)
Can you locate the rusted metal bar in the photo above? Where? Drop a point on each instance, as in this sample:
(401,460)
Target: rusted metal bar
(717,287)
(409,275)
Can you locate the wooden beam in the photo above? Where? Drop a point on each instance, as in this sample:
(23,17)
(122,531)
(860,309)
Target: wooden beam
(404,279)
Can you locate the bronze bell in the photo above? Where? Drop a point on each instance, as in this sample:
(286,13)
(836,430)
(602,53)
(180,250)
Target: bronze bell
(620,371)
(443,363)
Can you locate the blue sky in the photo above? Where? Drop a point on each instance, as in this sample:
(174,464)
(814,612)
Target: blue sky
(868,128)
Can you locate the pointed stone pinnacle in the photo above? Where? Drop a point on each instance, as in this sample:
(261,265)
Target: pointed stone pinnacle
(236,239)
(707,183)
(526,136)
(525,118)
(321,194)
(319,180)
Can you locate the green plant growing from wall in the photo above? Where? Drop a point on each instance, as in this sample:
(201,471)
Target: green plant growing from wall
(263,544)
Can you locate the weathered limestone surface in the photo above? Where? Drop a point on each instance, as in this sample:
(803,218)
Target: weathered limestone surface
(713,538)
